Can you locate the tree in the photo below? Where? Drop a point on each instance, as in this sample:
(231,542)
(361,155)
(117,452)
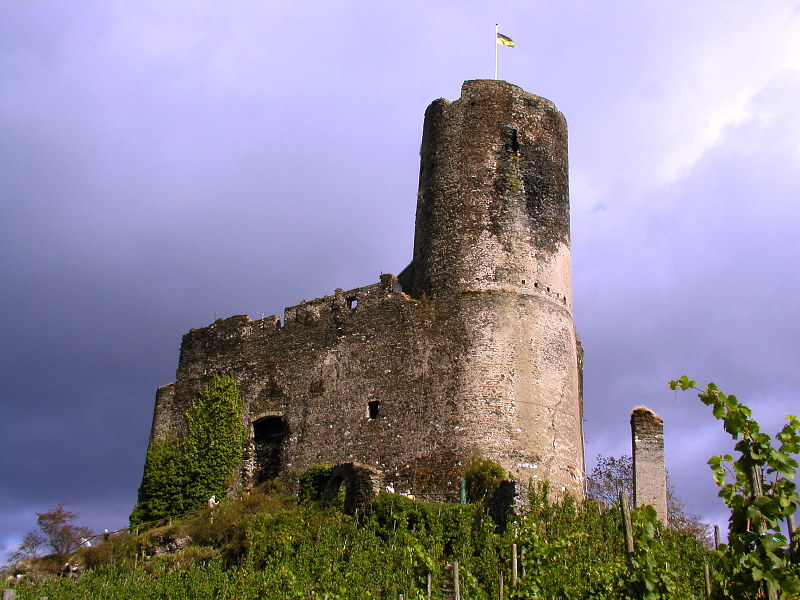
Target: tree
(681,520)
(612,475)
(162,491)
(59,531)
(30,547)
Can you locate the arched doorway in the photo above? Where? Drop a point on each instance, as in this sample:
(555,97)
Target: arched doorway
(361,484)
(269,434)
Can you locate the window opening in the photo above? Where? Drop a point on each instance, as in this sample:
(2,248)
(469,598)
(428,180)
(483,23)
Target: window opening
(512,136)
(352,302)
(374,409)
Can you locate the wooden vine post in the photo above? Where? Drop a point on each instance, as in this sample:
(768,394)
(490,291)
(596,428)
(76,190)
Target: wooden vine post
(513,566)
(754,476)
(628,529)
(456,585)
(627,526)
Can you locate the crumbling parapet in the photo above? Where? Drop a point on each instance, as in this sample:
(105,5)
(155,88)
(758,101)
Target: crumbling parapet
(649,470)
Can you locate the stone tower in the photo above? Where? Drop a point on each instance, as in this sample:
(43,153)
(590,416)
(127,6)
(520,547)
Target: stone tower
(470,351)
(649,470)
(492,244)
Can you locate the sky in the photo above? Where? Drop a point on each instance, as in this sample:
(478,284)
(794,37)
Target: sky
(166,163)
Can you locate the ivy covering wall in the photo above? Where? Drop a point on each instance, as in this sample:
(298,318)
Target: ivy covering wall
(180,475)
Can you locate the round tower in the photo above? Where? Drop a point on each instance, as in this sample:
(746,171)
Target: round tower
(492,250)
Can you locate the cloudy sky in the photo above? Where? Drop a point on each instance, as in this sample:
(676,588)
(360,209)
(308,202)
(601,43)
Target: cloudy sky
(164,163)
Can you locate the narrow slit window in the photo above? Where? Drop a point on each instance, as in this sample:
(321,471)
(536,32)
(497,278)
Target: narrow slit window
(374,409)
(511,135)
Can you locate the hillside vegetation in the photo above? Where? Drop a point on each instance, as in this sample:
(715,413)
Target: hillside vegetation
(266,545)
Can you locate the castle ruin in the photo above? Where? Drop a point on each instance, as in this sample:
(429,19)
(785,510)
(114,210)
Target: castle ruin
(470,351)
(649,470)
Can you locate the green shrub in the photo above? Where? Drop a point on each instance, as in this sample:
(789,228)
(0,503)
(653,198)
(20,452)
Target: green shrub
(163,489)
(269,547)
(313,481)
(483,476)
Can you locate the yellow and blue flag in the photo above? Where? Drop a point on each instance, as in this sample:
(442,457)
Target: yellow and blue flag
(504,40)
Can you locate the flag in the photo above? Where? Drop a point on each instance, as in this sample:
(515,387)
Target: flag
(504,40)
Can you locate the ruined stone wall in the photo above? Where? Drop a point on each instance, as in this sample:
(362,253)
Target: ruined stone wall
(477,356)
(649,470)
(321,371)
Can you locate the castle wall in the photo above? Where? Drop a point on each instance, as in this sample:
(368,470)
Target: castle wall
(321,371)
(478,356)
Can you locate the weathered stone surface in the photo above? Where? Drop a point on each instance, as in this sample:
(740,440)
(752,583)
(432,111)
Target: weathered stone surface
(474,353)
(649,470)
(361,486)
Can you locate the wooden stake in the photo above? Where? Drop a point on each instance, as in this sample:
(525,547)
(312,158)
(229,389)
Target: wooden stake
(501,586)
(627,525)
(757,491)
(513,566)
(456,586)
(707,573)
(716,537)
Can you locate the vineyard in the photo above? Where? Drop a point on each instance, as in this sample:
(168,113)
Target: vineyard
(267,546)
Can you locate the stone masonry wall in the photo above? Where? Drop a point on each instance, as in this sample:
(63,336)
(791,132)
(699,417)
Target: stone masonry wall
(321,370)
(492,242)
(649,470)
(477,356)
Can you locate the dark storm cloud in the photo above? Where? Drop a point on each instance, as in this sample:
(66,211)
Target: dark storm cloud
(162,166)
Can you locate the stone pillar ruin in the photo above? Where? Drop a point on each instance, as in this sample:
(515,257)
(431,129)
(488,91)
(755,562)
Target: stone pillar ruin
(649,470)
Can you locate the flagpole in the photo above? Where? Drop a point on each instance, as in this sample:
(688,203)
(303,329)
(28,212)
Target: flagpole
(496,31)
